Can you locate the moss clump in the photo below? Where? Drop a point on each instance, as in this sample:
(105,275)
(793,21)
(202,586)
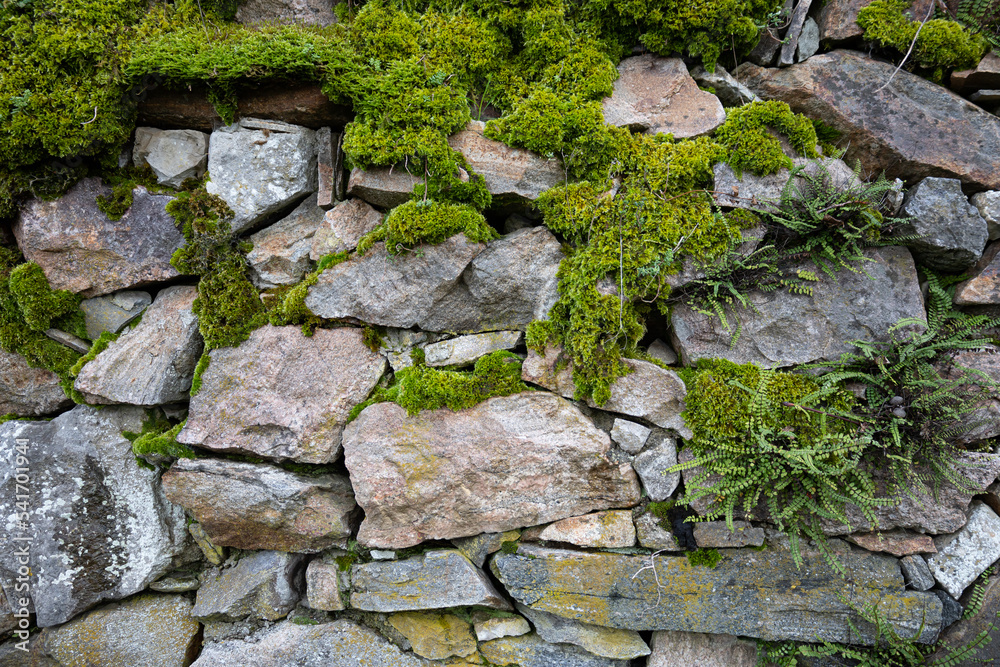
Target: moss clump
(98,346)
(372,338)
(750,146)
(661,510)
(709,558)
(123,182)
(43,307)
(430,222)
(158,439)
(199,370)
(287,304)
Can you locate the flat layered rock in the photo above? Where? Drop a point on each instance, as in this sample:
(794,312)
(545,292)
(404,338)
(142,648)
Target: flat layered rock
(113,311)
(748,593)
(280,254)
(716,535)
(964,555)
(984,75)
(262,585)
(951,233)
(896,542)
(464,350)
(601,641)
(342,228)
(518,460)
(613,528)
(695,649)
(26,391)
(385,187)
(282,395)
(751,191)
(530,650)
(983,288)
(173,155)
(256,506)
(435,635)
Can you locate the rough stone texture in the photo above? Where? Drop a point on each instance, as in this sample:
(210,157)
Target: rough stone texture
(653,536)
(263,584)
(213,553)
(81,466)
(629,436)
(988,204)
(808,43)
(494,627)
(912,128)
(478,547)
(951,610)
(311,12)
(715,535)
(918,576)
(326,586)
(795,24)
(652,465)
(605,642)
(532,651)
(153,363)
(985,75)
(952,233)
(69,340)
(798,328)
(82,251)
(613,528)
(113,312)
(385,187)
(282,395)
(896,542)
(517,461)
(261,167)
(695,649)
(145,631)
(965,630)
(838,18)
(26,391)
(173,155)
(985,419)
(435,636)
(434,580)
(660,350)
(280,254)
(749,593)
(983,288)
(963,556)
(253,506)
(752,191)
(464,350)
(178,583)
(341,643)
(730,92)
(342,228)
(654,94)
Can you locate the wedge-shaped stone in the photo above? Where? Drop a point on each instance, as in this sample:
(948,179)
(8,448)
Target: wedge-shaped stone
(282,395)
(951,234)
(173,155)
(963,556)
(264,584)
(596,639)
(508,462)
(983,288)
(748,593)
(113,311)
(28,391)
(532,651)
(342,227)
(613,528)
(464,350)
(280,254)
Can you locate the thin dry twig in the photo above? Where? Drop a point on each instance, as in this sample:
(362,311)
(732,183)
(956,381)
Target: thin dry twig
(930,10)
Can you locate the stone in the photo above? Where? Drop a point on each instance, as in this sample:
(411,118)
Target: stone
(952,234)
(791,329)
(808,43)
(309,12)
(518,460)
(605,642)
(918,576)
(964,630)
(964,555)
(988,205)
(327,586)
(82,251)
(951,610)
(899,543)
(763,192)
(532,651)
(213,553)
(986,98)
(260,168)
(911,128)
(280,254)
(672,648)
(283,395)
(657,95)
(342,643)
(837,19)
(983,288)
(730,92)
(145,631)
(768,43)
(985,75)
(435,636)
(716,535)
(26,391)
(479,547)
(494,627)
(648,392)
(652,535)
(663,352)
(436,579)
(786,56)
(630,436)
(177,583)
(652,465)
(113,312)
(745,594)
(385,187)
(612,528)
(81,465)
(259,506)
(69,340)
(342,227)
(262,585)
(153,363)
(464,350)
(173,155)
(984,421)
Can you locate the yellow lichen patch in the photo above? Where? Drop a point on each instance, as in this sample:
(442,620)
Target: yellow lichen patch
(435,635)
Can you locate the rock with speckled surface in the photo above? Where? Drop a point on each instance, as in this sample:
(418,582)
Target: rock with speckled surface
(613,528)
(951,234)
(263,584)
(605,642)
(672,648)
(530,650)
(27,391)
(964,555)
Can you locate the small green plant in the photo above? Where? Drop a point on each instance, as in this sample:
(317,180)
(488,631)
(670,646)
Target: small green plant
(751,146)
(158,439)
(982,17)
(709,558)
(427,221)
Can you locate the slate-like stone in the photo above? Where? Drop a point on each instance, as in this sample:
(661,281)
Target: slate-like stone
(82,251)
(282,395)
(81,466)
(342,227)
(652,464)
(964,630)
(630,436)
(532,651)
(672,648)
(434,580)
(153,363)
(280,254)
(795,24)
(479,547)
(257,506)
(176,583)
(654,94)
(464,350)
(113,311)
(385,187)
(433,635)
(612,528)
(309,12)
(896,542)
(517,461)
(983,287)
(964,555)
(918,576)
(808,43)
(951,232)
(751,191)
(605,642)
(173,155)
(730,92)
(988,204)
(748,593)
(652,535)
(26,391)
(984,75)
(494,627)
(263,585)
(716,535)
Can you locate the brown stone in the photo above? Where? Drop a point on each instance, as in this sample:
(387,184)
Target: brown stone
(26,391)
(325,158)
(899,543)
(838,18)
(343,227)
(983,288)
(385,187)
(984,75)
(613,528)
(179,109)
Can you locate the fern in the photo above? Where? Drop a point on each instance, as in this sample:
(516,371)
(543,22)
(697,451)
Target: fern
(983,17)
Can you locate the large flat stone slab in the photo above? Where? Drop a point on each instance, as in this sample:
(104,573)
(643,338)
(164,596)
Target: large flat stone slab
(530,650)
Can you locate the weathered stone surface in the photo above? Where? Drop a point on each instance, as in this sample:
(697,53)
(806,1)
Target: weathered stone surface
(654,94)
(629,436)
(984,421)
(180,582)
(613,528)
(282,395)
(434,580)
(605,642)
(911,128)
(82,466)
(962,556)
(435,635)
(532,651)
(213,553)
(263,584)
(896,542)
(261,167)
(153,363)
(342,228)
(494,627)
(795,24)
(173,155)
(280,254)
(311,12)
(27,391)
(988,204)
(752,191)
(464,350)
(82,251)
(808,43)
(327,585)
(985,75)
(145,631)
(113,312)
(652,535)
(69,340)
(768,43)
(730,92)
(965,630)
(716,535)
(385,187)
(255,506)
(341,643)
(951,610)
(918,576)
(983,288)
(951,232)
(518,460)
(695,649)
(660,350)
(479,547)
(798,328)
(652,465)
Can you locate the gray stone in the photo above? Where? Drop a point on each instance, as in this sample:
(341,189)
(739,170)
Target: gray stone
(662,352)
(327,585)
(26,391)
(494,627)
(385,187)
(984,421)
(653,536)
(766,50)
(176,583)
(309,12)
(464,350)
(173,155)
(799,328)
(69,340)
(951,611)
(81,466)
(283,395)
(280,254)
(82,251)
(808,41)
(629,436)
(952,233)
(397,345)
(112,312)
(153,363)
(600,530)
(479,547)
(654,95)
(518,460)
(964,555)
(764,192)
(652,465)
(918,576)
(532,651)
(672,648)
(434,580)
(260,168)
(258,506)
(730,92)
(605,642)
(795,24)
(343,227)
(767,598)
(262,584)
(988,205)
(716,535)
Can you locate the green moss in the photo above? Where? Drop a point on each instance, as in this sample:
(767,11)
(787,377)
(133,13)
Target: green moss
(509,547)
(287,304)
(749,144)
(709,558)
(123,182)
(427,222)
(199,370)
(10,416)
(98,346)
(40,305)
(661,510)
(372,338)
(159,438)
